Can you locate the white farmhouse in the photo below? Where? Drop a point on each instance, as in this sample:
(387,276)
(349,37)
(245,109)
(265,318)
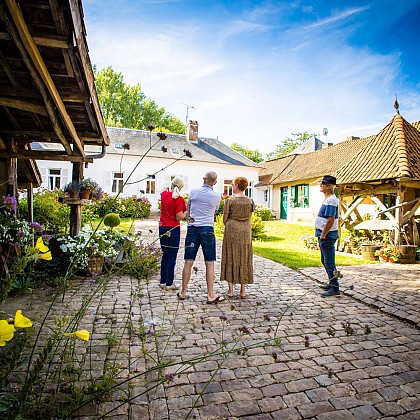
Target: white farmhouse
(136,158)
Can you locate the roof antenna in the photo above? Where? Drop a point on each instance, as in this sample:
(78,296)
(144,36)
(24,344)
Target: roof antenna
(186,118)
(396,104)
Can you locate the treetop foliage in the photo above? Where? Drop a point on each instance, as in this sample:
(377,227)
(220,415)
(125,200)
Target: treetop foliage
(127,106)
(289,144)
(253,155)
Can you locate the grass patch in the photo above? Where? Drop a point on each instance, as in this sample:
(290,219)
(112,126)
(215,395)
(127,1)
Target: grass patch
(126,226)
(282,243)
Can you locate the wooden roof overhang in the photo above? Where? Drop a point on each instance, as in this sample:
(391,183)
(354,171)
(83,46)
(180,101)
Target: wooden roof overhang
(47,91)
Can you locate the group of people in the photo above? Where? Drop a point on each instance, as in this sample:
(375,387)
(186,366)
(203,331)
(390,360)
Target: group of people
(237,255)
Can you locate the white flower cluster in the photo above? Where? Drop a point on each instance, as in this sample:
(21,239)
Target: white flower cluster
(88,243)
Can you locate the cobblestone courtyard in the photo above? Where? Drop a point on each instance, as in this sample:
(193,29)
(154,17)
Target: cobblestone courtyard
(353,357)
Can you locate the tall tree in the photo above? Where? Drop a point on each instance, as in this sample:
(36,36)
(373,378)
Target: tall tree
(289,144)
(127,106)
(253,155)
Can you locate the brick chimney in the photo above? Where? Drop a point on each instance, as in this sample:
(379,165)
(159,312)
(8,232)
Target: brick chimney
(352,138)
(192,132)
(326,145)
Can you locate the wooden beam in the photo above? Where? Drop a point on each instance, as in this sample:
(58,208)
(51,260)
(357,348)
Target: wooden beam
(352,207)
(37,60)
(29,94)
(382,206)
(410,213)
(24,106)
(7,69)
(36,79)
(48,155)
(52,41)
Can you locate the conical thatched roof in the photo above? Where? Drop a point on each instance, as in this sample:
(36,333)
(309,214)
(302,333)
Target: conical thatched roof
(393,153)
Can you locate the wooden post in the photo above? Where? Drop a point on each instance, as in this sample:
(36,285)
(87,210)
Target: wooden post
(399,213)
(30,197)
(12,171)
(76,209)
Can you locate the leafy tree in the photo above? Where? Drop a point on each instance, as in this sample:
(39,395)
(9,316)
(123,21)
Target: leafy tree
(289,144)
(253,155)
(127,106)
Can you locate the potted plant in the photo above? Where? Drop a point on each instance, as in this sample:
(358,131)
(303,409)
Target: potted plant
(388,253)
(72,189)
(88,186)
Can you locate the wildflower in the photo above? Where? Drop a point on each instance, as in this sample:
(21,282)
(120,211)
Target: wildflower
(245,329)
(150,127)
(224,317)
(22,321)
(266,317)
(36,226)
(45,252)
(20,234)
(188,153)
(306,341)
(164,149)
(10,202)
(6,332)
(46,237)
(162,136)
(126,146)
(82,334)
(170,376)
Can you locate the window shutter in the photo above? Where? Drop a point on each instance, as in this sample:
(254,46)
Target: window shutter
(293,192)
(107,182)
(306,194)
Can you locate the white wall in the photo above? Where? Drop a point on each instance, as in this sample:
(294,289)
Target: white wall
(192,171)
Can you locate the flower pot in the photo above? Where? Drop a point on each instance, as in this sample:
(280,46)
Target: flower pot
(95,264)
(383,259)
(85,195)
(408,254)
(368,252)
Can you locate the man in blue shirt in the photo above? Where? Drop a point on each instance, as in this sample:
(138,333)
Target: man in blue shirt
(326,230)
(202,204)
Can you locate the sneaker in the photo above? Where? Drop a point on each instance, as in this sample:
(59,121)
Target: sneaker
(325,286)
(331,292)
(162,286)
(173,287)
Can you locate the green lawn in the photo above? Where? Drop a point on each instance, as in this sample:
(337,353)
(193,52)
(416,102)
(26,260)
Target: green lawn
(282,244)
(126,226)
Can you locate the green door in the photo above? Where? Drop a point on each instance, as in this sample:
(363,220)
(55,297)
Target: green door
(283,203)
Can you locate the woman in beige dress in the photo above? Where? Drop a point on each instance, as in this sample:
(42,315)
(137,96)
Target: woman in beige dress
(237,257)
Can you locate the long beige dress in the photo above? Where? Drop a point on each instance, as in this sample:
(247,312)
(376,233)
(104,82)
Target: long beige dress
(237,258)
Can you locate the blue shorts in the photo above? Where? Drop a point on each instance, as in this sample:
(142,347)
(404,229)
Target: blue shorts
(200,235)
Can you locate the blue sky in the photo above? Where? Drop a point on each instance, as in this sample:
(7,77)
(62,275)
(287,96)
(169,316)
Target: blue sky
(257,71)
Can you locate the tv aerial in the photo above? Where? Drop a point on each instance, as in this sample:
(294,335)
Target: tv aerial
(325,132)
(188,108)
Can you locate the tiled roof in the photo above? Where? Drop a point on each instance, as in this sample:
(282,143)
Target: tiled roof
(311,165)
(394,152)
(205,150)
(416,125)
(311,145)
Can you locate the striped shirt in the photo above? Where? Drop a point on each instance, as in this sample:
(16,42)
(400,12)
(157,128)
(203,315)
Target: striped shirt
(328,209)
(203,203)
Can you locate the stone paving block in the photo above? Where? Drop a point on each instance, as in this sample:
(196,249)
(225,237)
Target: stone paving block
(365,412)
(274,390)
(301,385)
(410,403)
(352,375)
(319,394)
(368,385)
(392,393)
(217,398)
(336,415)
(287,376)
(389,408)
(287,413)
(244,408)
(345,402)
(214,411)
(314,409)
(270,404)
(296,400)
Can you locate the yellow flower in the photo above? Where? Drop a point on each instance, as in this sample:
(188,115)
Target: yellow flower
(21,321)
(6,332)
(46,253)
(82,334)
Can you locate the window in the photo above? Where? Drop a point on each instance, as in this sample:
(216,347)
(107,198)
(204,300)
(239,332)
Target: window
(299,196)
(117,182)
(151,184)
(54,179)
(249,192)
(227,187)
(266,195)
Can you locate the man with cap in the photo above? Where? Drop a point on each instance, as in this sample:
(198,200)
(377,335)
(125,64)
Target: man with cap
(326,230)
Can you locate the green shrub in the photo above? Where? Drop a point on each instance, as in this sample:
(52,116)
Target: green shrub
(48,211)
(221,207)
(263,212)
(126,207)
(258,226)
(112,220)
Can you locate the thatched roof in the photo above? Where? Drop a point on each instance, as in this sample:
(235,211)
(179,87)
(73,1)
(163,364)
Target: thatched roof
(393,153)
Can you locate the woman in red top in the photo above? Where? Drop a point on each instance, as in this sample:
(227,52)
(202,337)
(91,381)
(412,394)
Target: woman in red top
(172,211)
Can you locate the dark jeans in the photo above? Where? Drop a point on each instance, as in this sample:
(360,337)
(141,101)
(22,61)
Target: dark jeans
(169,243)
(200,236)
(327,247)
